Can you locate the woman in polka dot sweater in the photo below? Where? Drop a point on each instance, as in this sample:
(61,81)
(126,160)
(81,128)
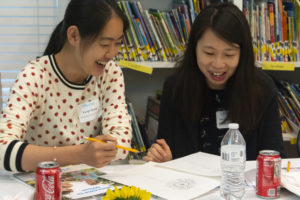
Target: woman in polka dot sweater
(73,91)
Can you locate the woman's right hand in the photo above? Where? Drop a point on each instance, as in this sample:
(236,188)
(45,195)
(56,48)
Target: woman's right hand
(99,154)
(159,152)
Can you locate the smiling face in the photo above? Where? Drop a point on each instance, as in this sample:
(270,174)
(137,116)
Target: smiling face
(217,59)
(106,46)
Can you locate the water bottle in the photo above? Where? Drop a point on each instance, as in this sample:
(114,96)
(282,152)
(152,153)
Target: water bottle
(233,159)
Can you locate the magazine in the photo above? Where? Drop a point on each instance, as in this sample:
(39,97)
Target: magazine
(78,181)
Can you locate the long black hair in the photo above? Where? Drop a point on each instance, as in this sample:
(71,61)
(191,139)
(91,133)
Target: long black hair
(90,16)
(242,94)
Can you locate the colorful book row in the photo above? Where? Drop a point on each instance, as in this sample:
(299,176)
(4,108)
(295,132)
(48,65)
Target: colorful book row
(274,28)
(154,35)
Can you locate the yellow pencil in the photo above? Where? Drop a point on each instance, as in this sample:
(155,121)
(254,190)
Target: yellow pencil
(289,166)
(118,146)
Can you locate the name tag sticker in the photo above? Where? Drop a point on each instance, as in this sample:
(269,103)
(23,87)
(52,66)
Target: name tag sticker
(88,111)
(221,116)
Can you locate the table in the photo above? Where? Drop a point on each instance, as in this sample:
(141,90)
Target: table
(17,190)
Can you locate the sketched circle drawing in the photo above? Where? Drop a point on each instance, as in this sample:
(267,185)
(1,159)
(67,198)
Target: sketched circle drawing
(181,184)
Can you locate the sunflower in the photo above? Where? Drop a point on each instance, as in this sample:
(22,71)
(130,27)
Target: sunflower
(127,193)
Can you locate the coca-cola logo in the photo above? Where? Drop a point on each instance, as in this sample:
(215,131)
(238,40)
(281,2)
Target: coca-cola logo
(48,184)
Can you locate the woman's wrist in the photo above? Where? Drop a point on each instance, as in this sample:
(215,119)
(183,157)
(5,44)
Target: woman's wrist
(69,155)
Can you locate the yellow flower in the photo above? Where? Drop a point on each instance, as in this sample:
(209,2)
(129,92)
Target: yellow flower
(127,193)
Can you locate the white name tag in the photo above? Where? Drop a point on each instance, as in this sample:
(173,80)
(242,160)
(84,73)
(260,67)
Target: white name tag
(221,116)
(89,110)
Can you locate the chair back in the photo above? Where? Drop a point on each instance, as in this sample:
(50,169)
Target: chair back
(298,143)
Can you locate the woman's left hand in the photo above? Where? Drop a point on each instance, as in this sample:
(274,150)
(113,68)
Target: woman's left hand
(159,152)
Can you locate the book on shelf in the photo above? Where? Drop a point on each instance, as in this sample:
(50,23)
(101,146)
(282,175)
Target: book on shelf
(289,104)
(78,181)
(151,121)
(137,137)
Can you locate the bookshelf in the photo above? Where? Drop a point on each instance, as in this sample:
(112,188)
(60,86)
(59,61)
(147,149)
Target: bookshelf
(138,92)
(140,85)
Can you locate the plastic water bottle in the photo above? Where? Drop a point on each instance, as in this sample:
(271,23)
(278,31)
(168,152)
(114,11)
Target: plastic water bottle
(233,159)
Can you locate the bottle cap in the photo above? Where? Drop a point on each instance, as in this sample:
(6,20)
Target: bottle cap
(233,126)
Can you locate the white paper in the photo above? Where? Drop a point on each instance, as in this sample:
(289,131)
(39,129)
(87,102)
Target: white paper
(291,180)
(199,163)
(164,182)
(295,164)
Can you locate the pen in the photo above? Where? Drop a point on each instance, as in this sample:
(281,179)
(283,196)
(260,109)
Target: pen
(118,146)
(289,166)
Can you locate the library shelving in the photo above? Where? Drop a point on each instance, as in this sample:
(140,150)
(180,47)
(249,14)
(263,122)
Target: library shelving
(139,86)
(295,64)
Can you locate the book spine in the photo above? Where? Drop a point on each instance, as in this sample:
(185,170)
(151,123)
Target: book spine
(277,21)
(293,95)
(192,10)
(161,36)
(176,19)
(131,26)
(139,138)
(289,111)
(160,48)
(134,26)
(165,32)
(183,25)
(171,31)
(129,38)
(185,11)
(271,20)
(147,54)
(296,91)
(138,9)
(146,29)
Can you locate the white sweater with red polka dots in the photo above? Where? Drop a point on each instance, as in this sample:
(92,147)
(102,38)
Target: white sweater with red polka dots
(42,110)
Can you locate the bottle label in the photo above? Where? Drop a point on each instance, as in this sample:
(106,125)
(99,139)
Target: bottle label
(233,153)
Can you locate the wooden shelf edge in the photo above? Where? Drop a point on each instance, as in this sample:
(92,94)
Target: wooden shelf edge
(259,63)
(161,64)
(157,64)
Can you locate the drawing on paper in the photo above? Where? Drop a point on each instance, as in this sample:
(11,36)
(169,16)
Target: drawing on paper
(181,184)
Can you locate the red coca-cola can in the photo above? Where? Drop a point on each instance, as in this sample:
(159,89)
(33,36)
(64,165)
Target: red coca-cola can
(268,174)
(48,181)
